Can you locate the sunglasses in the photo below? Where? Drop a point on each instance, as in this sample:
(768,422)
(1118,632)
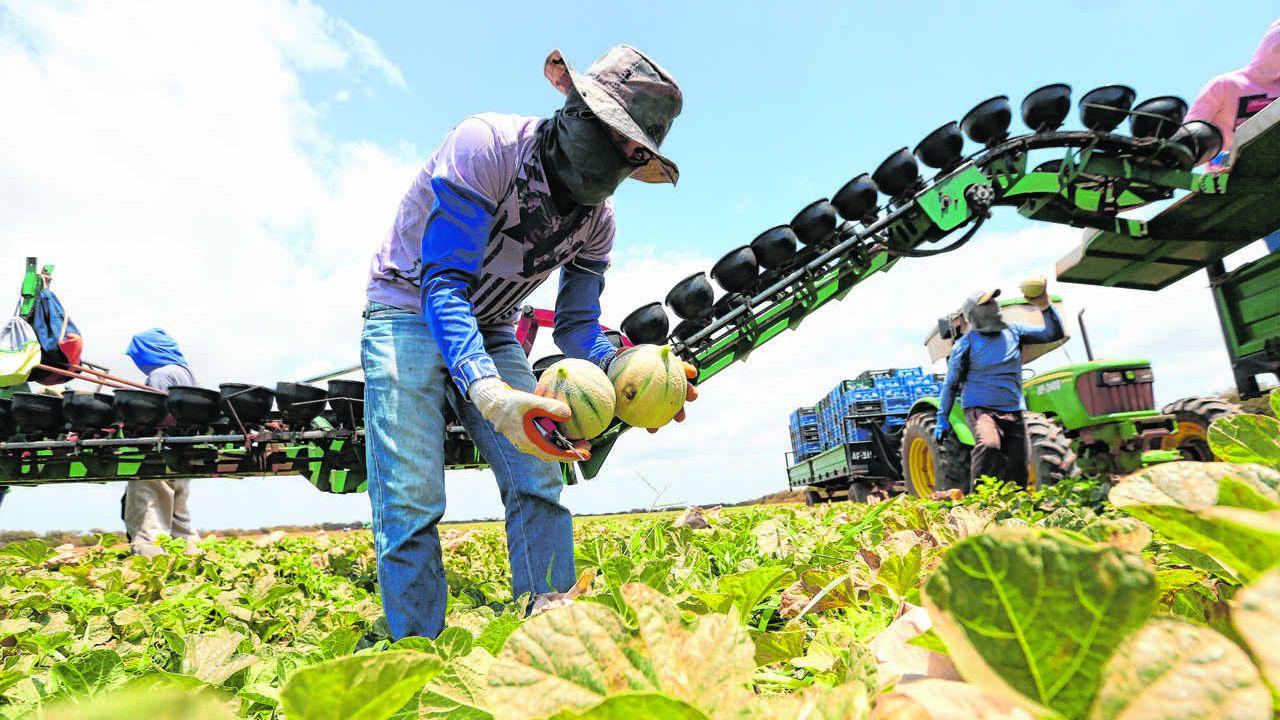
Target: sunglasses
(638,157)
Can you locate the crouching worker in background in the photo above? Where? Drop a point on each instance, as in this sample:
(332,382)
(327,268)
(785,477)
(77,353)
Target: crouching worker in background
(987,363)
(158,507)
(504,201)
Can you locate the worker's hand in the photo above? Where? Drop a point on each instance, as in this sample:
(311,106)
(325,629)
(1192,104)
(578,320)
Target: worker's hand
(690,392)
(942,428)
(514,414)
(1036,291)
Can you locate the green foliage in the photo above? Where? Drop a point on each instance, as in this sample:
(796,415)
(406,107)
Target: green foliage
(1228,513)
(1246,439)
(1002,602)
(1040,599)
(359,687)
(1213,675)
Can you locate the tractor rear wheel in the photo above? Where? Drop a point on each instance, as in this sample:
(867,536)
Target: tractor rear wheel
(1052,458)
(1193,416)
(925,460)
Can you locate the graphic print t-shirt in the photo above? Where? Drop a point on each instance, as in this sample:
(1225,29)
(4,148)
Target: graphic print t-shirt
(496,157)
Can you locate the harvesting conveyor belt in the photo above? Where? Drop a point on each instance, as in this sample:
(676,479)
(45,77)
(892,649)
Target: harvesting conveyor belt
(1084,178)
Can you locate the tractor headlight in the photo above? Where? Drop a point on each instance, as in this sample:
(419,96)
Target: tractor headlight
(1144,375)
(1113,377)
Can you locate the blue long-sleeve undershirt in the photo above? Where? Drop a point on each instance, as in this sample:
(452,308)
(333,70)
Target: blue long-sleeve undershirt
(453,247)
(577,332)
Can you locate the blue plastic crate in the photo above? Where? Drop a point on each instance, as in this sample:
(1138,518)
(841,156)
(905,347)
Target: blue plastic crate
(910,372)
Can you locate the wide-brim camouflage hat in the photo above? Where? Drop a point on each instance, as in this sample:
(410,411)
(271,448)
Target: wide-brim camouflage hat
(630,93)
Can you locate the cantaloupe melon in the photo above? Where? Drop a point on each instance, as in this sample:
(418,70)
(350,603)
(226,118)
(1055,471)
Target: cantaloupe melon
(649,383)
(586,390)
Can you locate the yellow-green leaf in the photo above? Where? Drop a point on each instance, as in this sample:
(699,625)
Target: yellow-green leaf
(1175,669)
(1255,612)
(642,706)
(571,657)
(1034,614)
(1246,439)
(358,687)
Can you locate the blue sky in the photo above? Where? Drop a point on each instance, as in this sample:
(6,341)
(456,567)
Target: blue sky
(783,101)
(225,172)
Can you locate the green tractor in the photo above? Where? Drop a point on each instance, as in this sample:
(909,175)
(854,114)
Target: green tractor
(1097,417)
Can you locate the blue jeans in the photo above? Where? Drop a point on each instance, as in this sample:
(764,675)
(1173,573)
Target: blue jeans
(407,385)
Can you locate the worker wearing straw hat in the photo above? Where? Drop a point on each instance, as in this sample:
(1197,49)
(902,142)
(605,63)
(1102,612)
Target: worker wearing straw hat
(502,203)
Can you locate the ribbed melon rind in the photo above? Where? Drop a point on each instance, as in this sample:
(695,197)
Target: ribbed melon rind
(649,385)
(586,390)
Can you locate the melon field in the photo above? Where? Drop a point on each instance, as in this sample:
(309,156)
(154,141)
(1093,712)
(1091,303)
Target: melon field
(1156,596)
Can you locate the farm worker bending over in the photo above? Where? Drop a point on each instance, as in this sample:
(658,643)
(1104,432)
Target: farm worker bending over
(158,507)
(502,202)
(1231,98)
(987,361)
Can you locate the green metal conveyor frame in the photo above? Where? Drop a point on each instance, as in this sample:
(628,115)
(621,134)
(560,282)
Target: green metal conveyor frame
(1198,229)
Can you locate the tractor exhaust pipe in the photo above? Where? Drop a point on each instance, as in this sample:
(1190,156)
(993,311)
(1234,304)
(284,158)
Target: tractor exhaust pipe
(1084,335)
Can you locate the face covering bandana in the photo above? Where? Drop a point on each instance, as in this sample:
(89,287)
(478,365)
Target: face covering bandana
(985,318)
(579,150)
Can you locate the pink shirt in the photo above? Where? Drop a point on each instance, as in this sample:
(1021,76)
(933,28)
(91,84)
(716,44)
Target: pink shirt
(1231,98)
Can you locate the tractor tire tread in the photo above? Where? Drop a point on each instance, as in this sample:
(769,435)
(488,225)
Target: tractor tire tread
(1201,406)
(951,458)
(1051,449)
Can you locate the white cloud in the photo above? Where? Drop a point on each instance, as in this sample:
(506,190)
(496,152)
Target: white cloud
(166,158)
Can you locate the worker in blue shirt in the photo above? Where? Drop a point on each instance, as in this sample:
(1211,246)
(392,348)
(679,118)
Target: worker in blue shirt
(503,202)
(987,363)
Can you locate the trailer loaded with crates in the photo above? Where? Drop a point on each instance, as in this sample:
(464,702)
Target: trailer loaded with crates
(847,444)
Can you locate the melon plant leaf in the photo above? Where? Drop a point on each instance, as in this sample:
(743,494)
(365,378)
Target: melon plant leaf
(640,706)
(1255,612)
(1195,486)
(148,704)
(746,590)
(1246,439)
(1173,668)
(16,626)
(1182,502)
(495,634)
(359,687)
(772,647)
(162,679)
(458,692)
(1235,493)
(415,642)
(340,642)
(709,666)
(571,657)
(847,701)
(1035,614)
(89,673)
(1244,541)
(454,642)
(1274,400)
(939,699)
(212,658)
(31,551)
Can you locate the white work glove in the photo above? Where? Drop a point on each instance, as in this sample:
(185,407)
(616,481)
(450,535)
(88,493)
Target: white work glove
(513,413)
